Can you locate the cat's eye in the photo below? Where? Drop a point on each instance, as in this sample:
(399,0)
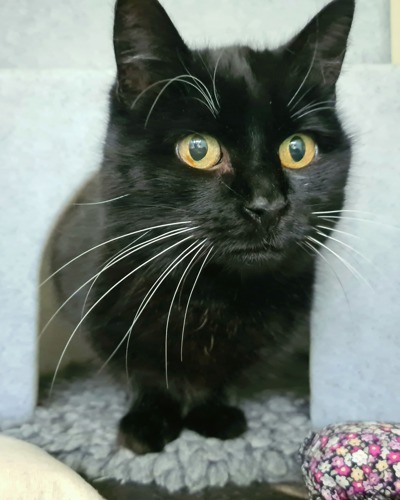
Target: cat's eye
(298,151)
(199,151)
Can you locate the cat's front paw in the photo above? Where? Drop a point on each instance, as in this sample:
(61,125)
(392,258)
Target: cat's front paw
(145,431)
(219,421)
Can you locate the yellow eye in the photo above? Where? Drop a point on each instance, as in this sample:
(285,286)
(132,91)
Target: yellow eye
(298,151)
(199,151)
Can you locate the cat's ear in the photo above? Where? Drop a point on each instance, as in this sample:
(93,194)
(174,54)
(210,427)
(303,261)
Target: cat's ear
(319,49)
(147,46)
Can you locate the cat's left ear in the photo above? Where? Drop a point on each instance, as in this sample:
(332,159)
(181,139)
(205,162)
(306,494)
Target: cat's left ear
(147,46)
(319,49)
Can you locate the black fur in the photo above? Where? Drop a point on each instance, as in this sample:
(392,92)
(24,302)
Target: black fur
(249,313)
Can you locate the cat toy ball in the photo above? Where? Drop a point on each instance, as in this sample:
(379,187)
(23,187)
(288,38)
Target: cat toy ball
(353,461)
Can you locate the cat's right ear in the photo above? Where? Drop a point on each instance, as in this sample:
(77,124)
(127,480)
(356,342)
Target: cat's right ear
(147,46)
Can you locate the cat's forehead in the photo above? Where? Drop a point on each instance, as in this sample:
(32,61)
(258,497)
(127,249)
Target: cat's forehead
(232,61)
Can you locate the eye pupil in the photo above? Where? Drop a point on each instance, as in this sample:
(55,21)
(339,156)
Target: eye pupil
(198,148)
(297,148)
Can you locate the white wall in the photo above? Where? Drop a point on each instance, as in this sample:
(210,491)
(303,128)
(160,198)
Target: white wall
(47,114)
(78,33)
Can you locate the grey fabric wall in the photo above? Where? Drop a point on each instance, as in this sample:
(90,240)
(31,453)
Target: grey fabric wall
(77,33)
(50,113)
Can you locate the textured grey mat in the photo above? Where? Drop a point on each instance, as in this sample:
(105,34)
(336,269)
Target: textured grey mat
(78,426)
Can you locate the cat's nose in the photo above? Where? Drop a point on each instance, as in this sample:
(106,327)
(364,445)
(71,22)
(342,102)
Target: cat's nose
(264,211)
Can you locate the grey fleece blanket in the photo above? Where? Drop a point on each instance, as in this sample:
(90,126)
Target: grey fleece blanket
(78,426)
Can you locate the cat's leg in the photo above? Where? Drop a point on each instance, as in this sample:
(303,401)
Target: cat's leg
(154,420)
(213,417)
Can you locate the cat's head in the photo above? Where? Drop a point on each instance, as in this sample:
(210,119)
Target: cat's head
(245,144)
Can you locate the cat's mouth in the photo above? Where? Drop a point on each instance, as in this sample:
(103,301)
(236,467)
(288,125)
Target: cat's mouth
(254,253)
(255,250)
(263,253)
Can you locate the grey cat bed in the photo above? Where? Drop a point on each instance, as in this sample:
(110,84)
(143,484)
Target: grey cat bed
(78,426)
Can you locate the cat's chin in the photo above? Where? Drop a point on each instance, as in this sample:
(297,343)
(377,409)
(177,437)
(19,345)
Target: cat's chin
(265,258)
(254,259)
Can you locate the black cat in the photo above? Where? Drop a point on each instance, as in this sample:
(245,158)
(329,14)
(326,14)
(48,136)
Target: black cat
(216,163)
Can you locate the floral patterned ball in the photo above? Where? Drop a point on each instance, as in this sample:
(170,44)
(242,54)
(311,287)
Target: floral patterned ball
(353,461)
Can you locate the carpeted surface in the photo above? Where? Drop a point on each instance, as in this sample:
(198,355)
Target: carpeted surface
(112,490)
(78,426)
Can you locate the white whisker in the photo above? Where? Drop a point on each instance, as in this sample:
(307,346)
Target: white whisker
(307,75)
(181,79)
(167,81)
(302,97)
(215,78)
(204,86)
(184,281)
(347,246)
(310,107)
(332,269)
(317,110)
(205,65)
(339,231)
(172,303)
(132,250)
(344,211)
(351,268)
(190,297)
(110,241)
(125,248)
(149,295)
(144,303)
(332,218)
(202,102)
(101,202)
(302,244)
(105,295)
(147,89)
(109,263)
(64,304)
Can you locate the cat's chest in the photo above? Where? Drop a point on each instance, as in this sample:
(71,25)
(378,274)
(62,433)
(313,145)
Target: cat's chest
(227,339)
(212,326)
(202,333)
